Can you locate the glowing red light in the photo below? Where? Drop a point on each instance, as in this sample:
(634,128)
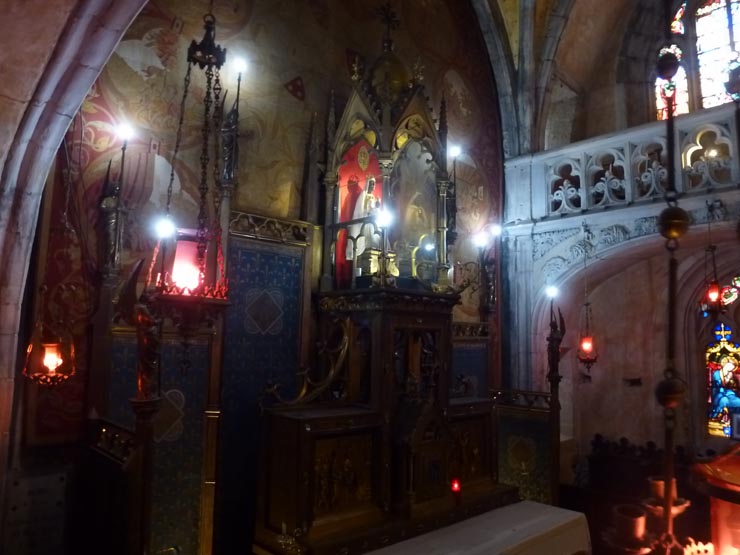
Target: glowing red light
(713,292)
(455,486)
(587,344)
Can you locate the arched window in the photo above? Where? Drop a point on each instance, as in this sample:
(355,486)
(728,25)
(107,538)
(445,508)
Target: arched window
(723,376)
(715,32)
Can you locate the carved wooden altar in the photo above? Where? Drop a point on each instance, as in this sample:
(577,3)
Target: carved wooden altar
(368,450)
(366,456)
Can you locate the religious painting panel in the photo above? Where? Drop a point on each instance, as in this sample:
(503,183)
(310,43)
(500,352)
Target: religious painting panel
(525,451)
(261,346)
(414,193)
(178,433)
(471,455)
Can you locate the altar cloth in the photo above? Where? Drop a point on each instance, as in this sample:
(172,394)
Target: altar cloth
(524,528)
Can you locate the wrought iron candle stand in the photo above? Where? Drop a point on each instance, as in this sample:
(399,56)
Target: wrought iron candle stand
(664,503)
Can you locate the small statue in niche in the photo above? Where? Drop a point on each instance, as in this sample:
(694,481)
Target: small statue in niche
(110,206)
(230,145)
(364,233)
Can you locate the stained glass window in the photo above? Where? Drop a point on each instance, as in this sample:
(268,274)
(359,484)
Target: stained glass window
(679,83)
(723,369)
(677,27)
(717,26)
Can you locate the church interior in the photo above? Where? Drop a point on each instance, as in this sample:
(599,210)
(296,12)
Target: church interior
(323,277)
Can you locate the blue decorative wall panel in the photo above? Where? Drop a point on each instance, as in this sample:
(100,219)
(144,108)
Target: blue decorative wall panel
(178,431)
(261,345)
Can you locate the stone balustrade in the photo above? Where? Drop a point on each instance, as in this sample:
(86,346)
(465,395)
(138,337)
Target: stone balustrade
(625,169)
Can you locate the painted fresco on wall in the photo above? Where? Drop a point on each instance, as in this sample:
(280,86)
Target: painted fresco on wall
(56,413)
(297,54)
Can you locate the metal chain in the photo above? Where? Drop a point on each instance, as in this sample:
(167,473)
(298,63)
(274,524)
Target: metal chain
(178,137)
(204,159)
(217,119)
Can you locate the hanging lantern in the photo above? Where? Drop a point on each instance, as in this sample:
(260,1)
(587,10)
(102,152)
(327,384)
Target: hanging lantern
(713,292)
(711,302)
(50,357)
(587,353)
(182,273)
(187,290)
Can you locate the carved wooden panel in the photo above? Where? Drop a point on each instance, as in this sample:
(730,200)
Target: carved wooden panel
(343,474)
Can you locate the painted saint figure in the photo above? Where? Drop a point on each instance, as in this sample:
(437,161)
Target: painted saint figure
(724,385)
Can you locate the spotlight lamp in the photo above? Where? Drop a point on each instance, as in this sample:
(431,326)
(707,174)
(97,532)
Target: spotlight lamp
(481,239)
(124,131)
(384,218)
(240,66)
(164,228)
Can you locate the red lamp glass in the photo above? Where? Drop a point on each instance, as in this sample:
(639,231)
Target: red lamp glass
(50,357)
(587,353)
(587,344)
(183,273)
(186,273)
(713,292)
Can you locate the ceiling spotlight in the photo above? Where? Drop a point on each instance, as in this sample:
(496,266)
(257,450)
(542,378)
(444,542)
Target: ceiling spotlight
(552,291)
(455,151)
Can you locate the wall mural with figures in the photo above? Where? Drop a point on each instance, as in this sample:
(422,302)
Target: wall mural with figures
(297,56)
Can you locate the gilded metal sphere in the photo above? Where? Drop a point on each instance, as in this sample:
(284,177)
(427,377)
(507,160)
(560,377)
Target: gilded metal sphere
(673,222)
(667,65)
(670,392)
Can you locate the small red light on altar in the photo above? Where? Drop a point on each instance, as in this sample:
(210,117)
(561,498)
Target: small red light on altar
(587,344)
(455,486)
